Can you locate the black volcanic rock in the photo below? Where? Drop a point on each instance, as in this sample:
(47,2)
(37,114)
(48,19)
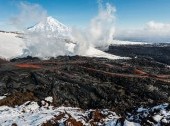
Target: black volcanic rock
(159,52)
(89,82)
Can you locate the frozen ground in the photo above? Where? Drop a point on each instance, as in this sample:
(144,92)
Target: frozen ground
(12,46)
(93,52)
(31,114)
(119,42)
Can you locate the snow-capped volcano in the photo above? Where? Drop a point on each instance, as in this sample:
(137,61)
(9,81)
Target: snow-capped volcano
(48,38)
(50,25)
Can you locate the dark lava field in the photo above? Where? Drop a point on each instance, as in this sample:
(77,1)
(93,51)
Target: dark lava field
(91,83)
(159,52)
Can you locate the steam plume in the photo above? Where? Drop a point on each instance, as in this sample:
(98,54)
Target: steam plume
(100,30)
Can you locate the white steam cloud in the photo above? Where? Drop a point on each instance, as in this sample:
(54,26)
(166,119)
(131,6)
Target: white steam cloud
(29,15)
(41,45)
(99,32)
(37,44)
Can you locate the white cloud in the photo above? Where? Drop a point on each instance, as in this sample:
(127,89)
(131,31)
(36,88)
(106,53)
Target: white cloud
(151,32)
(157,26)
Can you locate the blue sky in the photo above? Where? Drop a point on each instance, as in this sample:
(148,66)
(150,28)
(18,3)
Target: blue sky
(78,12)
(146,19)
(130,13)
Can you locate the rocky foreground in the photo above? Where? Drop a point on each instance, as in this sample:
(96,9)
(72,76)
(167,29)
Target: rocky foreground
(103,91)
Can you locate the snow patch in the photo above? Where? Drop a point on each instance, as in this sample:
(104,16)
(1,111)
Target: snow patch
(121,42)
(50,99)
(157,118)
(161,114)
(50,26)
(127,123)
(10,45)
(2,97)
(93,52)
(31,114)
